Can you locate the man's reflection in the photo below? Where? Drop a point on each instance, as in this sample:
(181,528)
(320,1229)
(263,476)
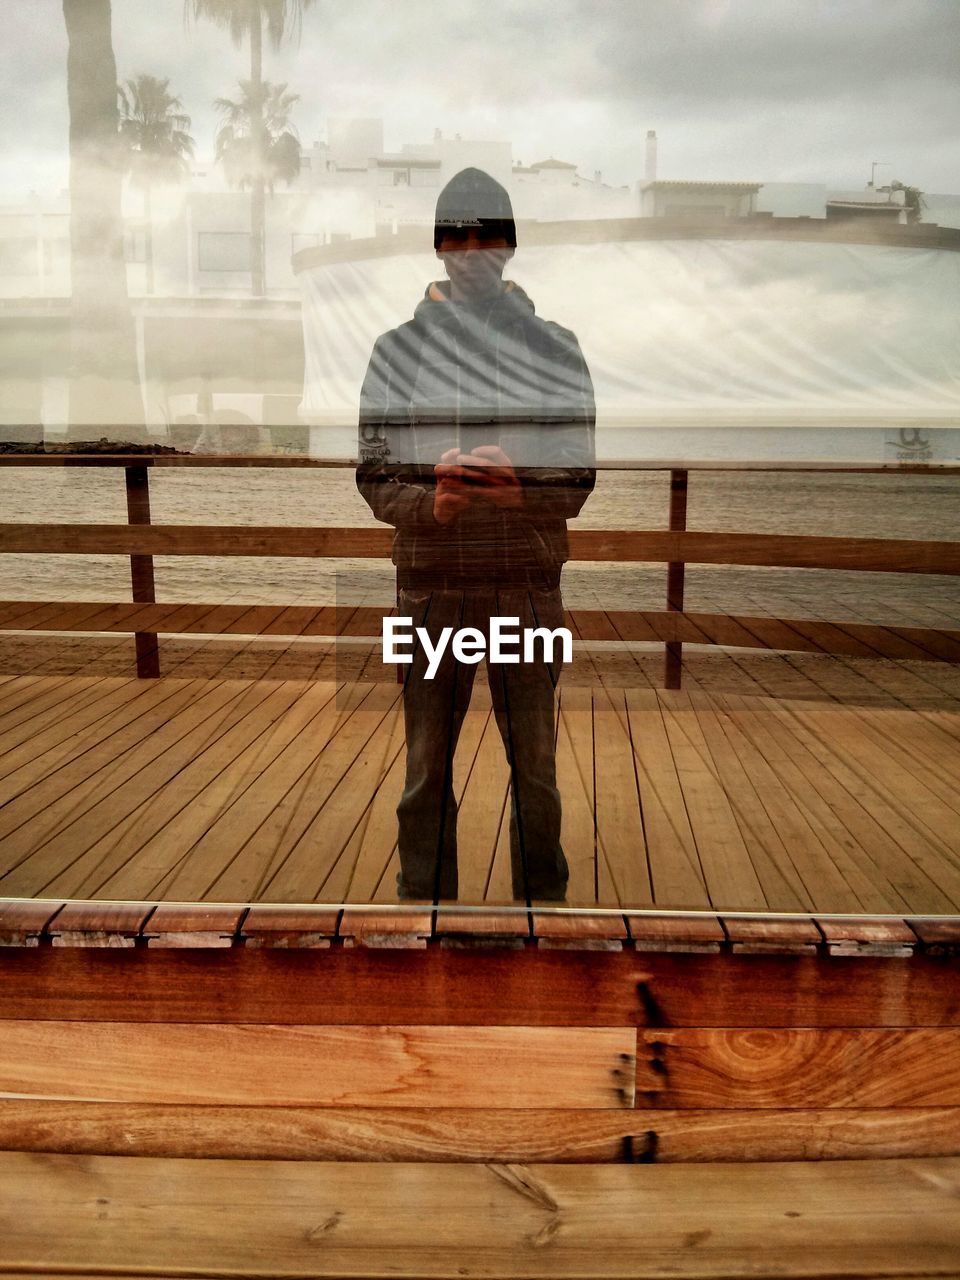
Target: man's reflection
(476,444)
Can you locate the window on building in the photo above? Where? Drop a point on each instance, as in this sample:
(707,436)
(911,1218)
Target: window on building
(224,251)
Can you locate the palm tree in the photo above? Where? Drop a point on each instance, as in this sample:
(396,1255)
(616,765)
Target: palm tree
(279,155)
(104,383)
(247,18)
(153,129)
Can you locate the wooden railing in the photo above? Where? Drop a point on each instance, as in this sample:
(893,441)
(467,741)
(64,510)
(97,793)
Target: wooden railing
(675,546)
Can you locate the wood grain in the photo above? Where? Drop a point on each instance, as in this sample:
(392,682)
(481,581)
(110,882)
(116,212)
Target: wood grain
(794,1067)
(702,934)
(98,924)
(297,927)
(388,1066)
(442,986)
(175,1217)
(760,937)
(193,925)
(452,1134)
(877,555)
(861,936)
(23,921)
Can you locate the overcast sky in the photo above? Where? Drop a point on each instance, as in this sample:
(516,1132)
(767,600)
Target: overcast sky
(764,90)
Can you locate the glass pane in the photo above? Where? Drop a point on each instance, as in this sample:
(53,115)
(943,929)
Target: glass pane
(492,475)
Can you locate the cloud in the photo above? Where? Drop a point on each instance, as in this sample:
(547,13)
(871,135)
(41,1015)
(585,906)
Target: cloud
(805,90)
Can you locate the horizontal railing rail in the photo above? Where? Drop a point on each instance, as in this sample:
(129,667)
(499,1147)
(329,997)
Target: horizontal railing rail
(676,547)
(875,555)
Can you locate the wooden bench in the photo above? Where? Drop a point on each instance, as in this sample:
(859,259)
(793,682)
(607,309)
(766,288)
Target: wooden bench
(126,1216)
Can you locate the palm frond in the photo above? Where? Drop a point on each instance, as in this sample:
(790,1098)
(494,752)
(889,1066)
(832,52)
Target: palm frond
(238,16)
(153,130)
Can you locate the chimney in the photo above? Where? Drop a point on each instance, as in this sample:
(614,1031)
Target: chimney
(650,161)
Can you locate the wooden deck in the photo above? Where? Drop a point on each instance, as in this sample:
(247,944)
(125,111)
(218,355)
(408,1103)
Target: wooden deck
(835,793)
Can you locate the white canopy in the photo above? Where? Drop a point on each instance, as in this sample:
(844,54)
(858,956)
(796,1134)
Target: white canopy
(683,333)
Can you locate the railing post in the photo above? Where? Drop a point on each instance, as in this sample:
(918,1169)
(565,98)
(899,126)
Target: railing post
(673,668)
(141,569)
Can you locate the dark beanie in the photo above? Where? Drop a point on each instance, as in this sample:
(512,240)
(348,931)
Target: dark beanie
(473,199)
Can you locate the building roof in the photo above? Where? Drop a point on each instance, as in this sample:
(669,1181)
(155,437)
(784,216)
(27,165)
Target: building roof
(552,164)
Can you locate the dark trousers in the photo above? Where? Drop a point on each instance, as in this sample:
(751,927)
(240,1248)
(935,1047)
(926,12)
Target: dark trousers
(523,697)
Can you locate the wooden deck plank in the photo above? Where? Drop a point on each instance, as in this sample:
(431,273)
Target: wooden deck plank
(888,1219)
(189,854)
(839,808)
(375,834)
(578,835)
(918,747)
(48,846)
(576,776)
(130,858)
(675,865)
(907,793)
(481,808)
(283,847)
(783,889)
(46,726)
(243,868)
(391,1066)
(17,689)
(32,792)
(374,848)
(728,870)
(440,986)
(302,875)
(74,724)
(386,887)
(619,816)
(867,794)
(802,779)
(500,882)
(43,703)
(256,780)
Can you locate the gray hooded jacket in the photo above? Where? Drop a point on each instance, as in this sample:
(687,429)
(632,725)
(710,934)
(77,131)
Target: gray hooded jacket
(462,375)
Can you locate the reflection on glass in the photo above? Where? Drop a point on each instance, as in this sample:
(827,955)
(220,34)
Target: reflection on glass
(208,219)
(476,444)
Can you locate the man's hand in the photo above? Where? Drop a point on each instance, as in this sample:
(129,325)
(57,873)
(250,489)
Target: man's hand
(491,475)
(453,490)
